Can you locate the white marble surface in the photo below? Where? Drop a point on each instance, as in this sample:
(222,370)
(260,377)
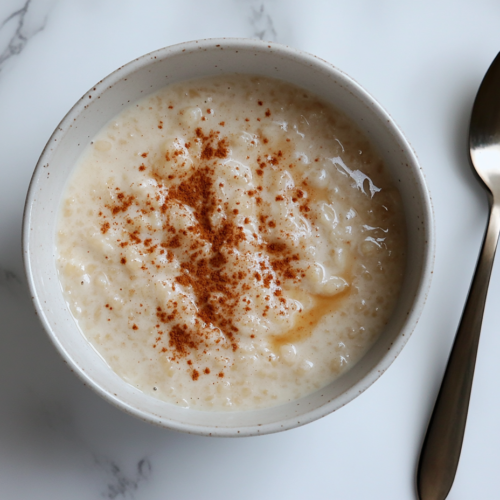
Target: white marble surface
(423,61)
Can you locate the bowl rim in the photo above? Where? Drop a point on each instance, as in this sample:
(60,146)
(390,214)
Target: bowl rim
(419,299)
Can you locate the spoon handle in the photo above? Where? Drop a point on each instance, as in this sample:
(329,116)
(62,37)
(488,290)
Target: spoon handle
(443,442)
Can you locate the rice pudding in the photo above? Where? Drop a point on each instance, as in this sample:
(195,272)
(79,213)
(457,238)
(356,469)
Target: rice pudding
(231,243)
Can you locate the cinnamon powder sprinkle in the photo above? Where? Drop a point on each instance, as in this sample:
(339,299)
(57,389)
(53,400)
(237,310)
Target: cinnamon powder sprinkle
(181,340)
(217,292)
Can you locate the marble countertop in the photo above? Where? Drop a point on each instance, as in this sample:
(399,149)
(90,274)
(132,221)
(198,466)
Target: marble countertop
(423,62)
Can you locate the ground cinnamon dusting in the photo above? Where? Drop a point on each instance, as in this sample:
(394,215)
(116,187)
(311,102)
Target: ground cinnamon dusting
(205,277)
(223,269)
(208,269)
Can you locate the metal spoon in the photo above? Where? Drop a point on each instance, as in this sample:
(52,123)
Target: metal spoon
(443,442)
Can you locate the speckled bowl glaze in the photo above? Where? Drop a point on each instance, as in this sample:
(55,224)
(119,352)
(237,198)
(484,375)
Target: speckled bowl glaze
(148,74)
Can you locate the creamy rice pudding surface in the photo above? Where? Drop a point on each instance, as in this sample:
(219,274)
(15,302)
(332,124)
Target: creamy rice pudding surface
(231,243)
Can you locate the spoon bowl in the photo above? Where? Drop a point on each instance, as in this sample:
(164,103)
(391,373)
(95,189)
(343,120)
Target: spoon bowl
(484,132)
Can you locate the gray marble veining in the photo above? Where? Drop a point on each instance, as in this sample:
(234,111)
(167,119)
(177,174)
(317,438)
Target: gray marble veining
(262,24)
(10,280)
(21,25)
(121,484)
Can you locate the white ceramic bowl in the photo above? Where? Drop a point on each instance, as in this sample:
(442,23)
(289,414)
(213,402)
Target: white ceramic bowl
(148,74)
